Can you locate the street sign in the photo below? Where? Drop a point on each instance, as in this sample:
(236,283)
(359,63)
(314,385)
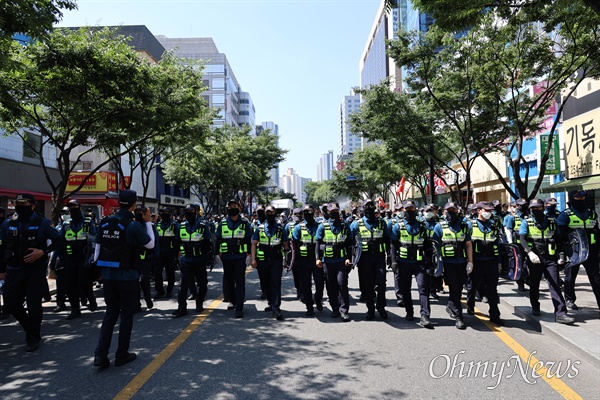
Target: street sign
(553,163)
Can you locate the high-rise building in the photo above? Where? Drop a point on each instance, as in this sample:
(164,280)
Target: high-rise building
(325,167)
(349,141)
(292,183)
(274,175)
(223,90)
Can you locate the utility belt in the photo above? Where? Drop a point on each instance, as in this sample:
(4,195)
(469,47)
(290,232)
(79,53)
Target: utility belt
(265,252)
(411,252)
(451,250)
(484,249)
(335,250)
(191,249)
(167,243)
(543,247)
(307,250)
(76,247)
(233,246)
(373,247)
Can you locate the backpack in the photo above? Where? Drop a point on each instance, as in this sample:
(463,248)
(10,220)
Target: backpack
(115,252)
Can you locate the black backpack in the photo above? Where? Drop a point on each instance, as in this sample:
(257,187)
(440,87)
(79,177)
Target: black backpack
(115,252)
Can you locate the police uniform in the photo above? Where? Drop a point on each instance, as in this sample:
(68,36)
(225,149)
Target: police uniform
(289,227)
(435,283)
(577,216)
(117,253)
(538,235)
(26,278)
(454,237)
(234,236)
(167,257)
(393,221)
(334,250)
(373,236)
(303,241)
(512,226)
(268,243)
(408,248)
(486,260)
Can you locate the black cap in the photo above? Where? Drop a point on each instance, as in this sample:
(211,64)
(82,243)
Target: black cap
(26,198)
(65,210)
(471,207)
(520,202)
(496,203)
(190,207)
(486,205)
(260,207)
(409,203)
(127,197)
(270,208)
(551,201)
(309,208)
(2,210)
(536,203)
(397,206)
(232,201)
(367,202)
(332,206)
(165,211)
(577,193)
(297,211)
(451,205)
(513,203)
(73,203)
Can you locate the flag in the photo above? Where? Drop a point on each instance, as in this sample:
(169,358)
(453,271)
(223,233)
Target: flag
(400,186)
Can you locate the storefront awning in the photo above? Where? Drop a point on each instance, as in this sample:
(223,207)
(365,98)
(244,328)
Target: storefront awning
(588,183)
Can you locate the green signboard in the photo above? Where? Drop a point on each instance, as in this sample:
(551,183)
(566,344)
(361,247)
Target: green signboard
(553,163)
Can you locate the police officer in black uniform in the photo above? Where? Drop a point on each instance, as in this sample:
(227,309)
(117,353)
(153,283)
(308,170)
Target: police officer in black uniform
(24,263)
(167,230)
(119,241)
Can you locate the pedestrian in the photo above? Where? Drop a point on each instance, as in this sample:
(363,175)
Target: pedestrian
(196,245)
(234,235)
(269,242)
(119,241)
(333,251)
(372,234)
(23,267)
(538,235)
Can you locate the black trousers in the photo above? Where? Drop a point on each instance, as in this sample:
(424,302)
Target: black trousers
(455,275)
(168,262)
(270,272)
(27,283)
(121,299)
(593,272)
(549,269)
(371,271)
(234,281)
(308,272)
(406,272)
(61,286)
(485,271)
(78,282)
(190,272)
(145,270)
(337,286)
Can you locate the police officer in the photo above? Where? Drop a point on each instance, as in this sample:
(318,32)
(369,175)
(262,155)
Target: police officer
(333,252)
(551,210)
(269,242)
(538,236)
(454,236)
(234,236)
(58,267)
(397,291)
(512,226)
(431,219)
(261,217)
(23,266)
(303,241)
(486,260)
(77,235)
(372,234)
(289,227)
(408,241)
(167,230)
(119,241)
(195,246)
(579,216)
(147,260)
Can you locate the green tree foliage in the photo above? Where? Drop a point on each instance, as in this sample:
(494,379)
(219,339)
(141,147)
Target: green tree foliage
(228,161)
(87,91)
(318,193)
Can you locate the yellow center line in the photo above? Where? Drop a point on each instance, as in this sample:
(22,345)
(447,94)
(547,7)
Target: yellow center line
(140,379)
(555,383)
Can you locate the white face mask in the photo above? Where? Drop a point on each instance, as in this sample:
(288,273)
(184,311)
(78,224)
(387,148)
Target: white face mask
(486,215)
(429,215)
(65,217)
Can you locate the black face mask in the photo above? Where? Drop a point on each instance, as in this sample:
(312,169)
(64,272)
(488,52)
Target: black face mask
(370,213)
(232,212)
(309,217)
(271,218)
(411,215)
(451,216)
(191,218)
(523,209)
(24,212)
(577,204)
(551,209)
(538,214)
(262,217)
(76,214)
(165,217)
(335,216)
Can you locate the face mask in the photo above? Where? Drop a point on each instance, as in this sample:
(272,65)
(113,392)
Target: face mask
(190,217)
(538,214)
(370,213)
(486,215)
(577,204)
(401,214)
(451,215)
(65,217)
(24,212)
(551,209)
(271,219)
(411,215)
(429,215)
(165,217)
(262,217)
(335,216)
(297,219)
(309,217)
(76,214)
(232,212)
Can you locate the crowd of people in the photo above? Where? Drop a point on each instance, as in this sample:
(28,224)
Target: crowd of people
(465,249)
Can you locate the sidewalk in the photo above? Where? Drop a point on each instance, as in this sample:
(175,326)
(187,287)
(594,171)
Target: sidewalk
(583,337)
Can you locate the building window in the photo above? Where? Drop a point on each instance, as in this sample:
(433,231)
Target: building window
(244,112)
(83,166)
(206,83)
(31,145)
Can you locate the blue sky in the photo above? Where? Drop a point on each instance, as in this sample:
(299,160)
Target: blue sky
(296,58)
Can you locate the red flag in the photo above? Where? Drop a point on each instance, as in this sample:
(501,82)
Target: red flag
(400,187)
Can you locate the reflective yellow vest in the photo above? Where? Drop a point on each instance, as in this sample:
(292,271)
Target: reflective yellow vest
(335,244)
(270,246)
(411,247)
(453,243)
(541,239)
(484,244)
(231,241)
(372,240)
(588,225)
(190,242)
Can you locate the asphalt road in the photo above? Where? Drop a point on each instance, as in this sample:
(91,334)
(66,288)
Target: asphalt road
(215,356)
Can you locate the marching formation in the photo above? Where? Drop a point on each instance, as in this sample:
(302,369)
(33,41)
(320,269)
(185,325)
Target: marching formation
(465,249)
